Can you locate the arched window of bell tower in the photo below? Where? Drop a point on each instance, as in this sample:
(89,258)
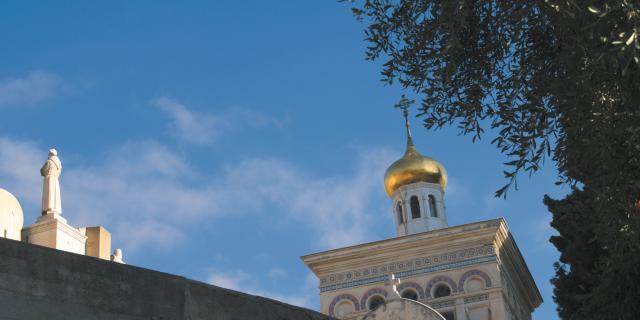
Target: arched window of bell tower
(399,212)
(432,206)
(415,207)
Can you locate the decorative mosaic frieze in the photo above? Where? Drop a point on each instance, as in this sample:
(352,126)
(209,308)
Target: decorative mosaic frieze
(355,283)
(405,274)
(477,298)
(443,304)
(406,265)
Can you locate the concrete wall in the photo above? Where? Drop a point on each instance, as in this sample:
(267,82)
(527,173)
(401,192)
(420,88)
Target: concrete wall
(43,283)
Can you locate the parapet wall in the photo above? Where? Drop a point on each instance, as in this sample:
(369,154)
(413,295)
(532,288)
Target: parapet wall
(43,283)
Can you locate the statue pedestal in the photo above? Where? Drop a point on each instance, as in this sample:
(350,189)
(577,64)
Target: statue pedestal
(50,216)
(51,230)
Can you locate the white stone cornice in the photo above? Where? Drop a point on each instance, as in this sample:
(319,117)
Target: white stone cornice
(51,224)
(515,268)
(432,242)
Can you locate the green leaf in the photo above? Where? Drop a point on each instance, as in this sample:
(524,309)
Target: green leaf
(594,10)
(631,38)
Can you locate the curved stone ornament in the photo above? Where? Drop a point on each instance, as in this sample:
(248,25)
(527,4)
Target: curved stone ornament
(403,309)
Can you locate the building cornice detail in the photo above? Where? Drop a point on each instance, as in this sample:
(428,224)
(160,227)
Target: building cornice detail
(443,304)
(477,298)
(434,238)
(408,267)
(52,224)
(515,268)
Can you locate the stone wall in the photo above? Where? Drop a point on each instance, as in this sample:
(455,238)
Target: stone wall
(43,283)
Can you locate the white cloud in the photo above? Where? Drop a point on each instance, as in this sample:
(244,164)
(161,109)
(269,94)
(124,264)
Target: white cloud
(244,117)
(337,208)
(234,280)
(149,234)
(207,128)
(241,281)
(19,172)
(190,126)
(142,189)
(36,87)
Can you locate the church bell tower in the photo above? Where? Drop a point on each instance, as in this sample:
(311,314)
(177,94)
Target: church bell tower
(466,272)
(416,184)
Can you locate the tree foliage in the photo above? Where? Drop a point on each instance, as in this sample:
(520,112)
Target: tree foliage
(556,80)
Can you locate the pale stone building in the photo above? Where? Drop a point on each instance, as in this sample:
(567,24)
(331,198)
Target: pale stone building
(468,272)
(400,309)
(11,217)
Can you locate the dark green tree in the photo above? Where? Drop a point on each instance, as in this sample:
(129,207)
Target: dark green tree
(556,80)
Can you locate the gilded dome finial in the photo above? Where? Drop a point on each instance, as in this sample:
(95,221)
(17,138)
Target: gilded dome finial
(412,167)
(404,105)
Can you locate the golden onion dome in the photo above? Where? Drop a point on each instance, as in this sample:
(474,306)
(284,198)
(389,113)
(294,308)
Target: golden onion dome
(413,167)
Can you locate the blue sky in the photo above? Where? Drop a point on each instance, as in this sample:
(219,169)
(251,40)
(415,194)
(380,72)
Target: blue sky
(221,141)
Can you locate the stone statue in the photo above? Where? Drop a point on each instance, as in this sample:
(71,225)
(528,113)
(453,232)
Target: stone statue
(117,256)
(51,170)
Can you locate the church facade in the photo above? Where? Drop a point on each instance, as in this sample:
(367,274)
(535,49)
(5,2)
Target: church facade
(467,272)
